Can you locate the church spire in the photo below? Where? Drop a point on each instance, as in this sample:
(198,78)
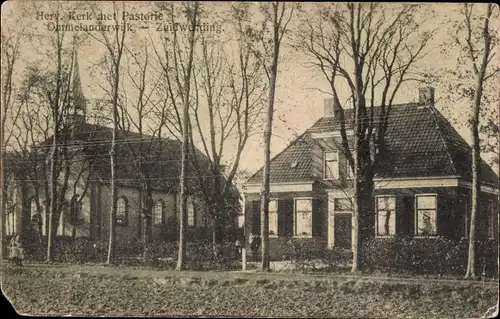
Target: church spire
(79,108)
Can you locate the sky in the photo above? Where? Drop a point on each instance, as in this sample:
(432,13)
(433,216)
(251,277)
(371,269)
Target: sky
(300,89)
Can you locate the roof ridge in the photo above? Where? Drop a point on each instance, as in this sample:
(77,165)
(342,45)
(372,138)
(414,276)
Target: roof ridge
(435,113)
(133,133)
(275,156)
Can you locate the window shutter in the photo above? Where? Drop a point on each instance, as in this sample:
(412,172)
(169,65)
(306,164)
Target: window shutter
(282,217)
(256,217)
(289,230)
(317,216)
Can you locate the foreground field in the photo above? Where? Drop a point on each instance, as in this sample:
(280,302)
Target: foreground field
(43,291)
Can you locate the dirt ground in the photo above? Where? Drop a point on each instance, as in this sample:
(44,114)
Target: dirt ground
(87,290)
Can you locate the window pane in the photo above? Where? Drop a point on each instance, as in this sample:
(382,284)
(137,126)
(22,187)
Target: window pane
(303,205)
(426,223)
(273,223)
(304,223)
(331,165)
(426,202)
(120,206)
(273,205)
(331,156)
(158,212)
(386,203)
(33,208)
(386,223)
(343,204)
(190,211)
(121,210)
(79,210)
(60,226)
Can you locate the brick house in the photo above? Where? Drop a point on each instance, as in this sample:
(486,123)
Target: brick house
(422,184)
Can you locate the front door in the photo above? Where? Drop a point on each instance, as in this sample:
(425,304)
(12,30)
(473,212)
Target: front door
(343,230)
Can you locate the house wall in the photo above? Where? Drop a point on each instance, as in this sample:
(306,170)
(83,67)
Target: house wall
(134,229)
(405,209)
(465,202)
(169,213)
(76,185)
(285,207)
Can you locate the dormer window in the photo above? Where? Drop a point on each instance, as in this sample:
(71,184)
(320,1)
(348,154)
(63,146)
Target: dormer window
(332,165)
(294,164)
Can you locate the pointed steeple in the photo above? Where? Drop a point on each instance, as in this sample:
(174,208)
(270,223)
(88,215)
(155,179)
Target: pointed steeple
(79,108)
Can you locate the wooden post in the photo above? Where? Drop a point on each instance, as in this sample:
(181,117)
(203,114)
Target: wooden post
(243,258)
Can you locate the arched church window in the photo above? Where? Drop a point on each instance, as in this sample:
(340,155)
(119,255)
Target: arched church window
(122,211)
(158,212)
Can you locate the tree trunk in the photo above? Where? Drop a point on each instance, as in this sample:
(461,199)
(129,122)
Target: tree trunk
(471,255)
(476,184)
(185,145)
(264,220)
(480,74)
(183,192)
(112,216)
(53,194)
(356,242)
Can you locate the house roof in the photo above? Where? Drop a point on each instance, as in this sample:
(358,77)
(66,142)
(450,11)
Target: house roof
(419,142)
(298,155)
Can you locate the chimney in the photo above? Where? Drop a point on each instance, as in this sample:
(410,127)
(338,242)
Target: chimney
(426,95)
(330,108)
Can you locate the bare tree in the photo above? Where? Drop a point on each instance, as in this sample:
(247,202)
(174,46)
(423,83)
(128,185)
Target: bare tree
(477,43)
(114,43)
(176,60)
(33,142)
(53,88)
(278,16)
(229,90)
(11,40)
(370,48)
(145,115)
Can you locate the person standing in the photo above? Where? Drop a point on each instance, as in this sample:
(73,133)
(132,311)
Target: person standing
(16,251)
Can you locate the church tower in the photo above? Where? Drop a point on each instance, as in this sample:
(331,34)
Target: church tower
(78,109)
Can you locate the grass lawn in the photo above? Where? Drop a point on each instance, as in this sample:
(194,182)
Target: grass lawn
(44,290)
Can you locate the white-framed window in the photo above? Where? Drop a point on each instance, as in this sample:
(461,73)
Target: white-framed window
(60,226)
(491,220)
(332,165)
(273,217)
(426,215)
(43,215)
(33,208)
(303,216)
(385,216)
(348,170)
(122,211)
(158,212)
(342,205)
(191,213)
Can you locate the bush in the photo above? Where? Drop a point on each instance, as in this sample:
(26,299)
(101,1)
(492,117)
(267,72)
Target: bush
(72,250)
(307,254)
(200,255)
(425,256)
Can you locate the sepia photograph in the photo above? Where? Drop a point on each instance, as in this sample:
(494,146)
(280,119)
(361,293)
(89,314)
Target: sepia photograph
(250,159)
